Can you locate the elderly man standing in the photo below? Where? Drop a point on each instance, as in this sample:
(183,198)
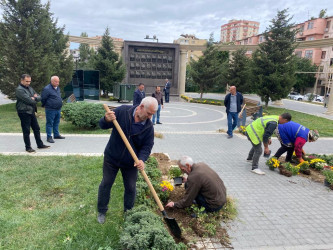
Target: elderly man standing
(26,107)
(202,185)
(260,131)
(139,94)
(158,95)
(138,128)
(51,100)
(232,102)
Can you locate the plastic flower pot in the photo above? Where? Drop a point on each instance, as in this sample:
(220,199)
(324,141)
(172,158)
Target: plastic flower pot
(178,181)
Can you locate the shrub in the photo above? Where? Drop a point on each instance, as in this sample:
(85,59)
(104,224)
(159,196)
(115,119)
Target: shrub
(329,176)
(83,114)
(143,229)
(317,164)
(293,169)
(174,172)
(303,167)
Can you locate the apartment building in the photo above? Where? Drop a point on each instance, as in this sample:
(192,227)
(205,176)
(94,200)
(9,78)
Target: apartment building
(315,29)
(186,39)
(238,29)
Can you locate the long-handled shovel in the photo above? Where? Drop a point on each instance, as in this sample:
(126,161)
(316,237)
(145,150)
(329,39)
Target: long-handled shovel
(171,222)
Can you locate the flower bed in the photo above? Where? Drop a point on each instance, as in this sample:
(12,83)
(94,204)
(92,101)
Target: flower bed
(203,101)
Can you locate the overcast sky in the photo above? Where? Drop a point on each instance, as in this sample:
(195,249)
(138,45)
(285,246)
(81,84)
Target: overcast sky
(133,20)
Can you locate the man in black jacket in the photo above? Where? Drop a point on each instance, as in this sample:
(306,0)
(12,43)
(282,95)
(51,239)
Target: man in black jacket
(138,128)
(26,107)
(51,100)
(139,94)
(232,102)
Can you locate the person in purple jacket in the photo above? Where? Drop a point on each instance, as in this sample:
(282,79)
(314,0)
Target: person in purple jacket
(292,137)
(138,128)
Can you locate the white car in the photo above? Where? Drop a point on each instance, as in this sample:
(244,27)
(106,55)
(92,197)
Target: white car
(292,95)
(305,97)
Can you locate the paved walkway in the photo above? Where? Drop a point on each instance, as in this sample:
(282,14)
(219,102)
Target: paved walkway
(275,212)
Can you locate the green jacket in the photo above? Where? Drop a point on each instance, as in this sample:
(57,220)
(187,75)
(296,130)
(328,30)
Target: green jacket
(24,103)
(256,129)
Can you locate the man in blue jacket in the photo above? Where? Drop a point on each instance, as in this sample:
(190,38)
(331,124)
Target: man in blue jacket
(233,102)
(51,100)
(139,94)
(138,128)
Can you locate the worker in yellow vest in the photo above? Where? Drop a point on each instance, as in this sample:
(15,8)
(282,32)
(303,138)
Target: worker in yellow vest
(260,131)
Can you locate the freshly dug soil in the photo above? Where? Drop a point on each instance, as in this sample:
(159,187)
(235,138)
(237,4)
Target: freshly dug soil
(192,228)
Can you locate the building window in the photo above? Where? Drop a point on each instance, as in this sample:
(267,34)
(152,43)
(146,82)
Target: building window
(298,53)
(323,54)
(308,54)
(311,38)
(310,25)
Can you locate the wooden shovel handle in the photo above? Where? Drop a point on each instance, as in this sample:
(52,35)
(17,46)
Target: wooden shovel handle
(135,158)
(241,112)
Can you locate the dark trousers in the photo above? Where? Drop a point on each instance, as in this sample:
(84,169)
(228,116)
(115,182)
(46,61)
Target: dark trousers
(201,201)
(27,121)
(130,175)
(284,149)
(166,96)
(254,154)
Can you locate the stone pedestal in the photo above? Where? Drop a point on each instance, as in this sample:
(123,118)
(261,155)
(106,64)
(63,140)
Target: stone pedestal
(182,71)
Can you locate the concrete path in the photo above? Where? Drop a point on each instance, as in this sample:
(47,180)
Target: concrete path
(275,212)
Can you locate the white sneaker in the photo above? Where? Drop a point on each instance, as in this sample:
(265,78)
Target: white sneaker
(257,171)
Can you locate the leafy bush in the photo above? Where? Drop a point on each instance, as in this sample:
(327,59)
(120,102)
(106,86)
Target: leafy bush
(174,172)
(143,229)
(293,169)
(83,114)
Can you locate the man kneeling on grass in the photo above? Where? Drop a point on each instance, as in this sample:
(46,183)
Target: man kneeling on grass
(203,187)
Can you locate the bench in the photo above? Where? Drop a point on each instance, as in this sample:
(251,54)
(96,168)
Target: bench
(253,108)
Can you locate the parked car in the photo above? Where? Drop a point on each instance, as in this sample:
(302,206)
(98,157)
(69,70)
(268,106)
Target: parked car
(306,97)
(298,97)
(292,94)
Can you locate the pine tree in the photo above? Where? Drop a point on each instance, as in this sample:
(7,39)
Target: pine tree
(31,43)
(305,80)
(110,66)
(274,62)
(86,54)
(239,72)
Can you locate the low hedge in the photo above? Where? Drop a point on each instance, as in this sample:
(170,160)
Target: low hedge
(83,114)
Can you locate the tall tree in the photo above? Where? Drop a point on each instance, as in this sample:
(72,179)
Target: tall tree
(322,13)
(111,67)
(239,71)
(207,71)
(31,43)
(304,80)
(274,62)
(86,54)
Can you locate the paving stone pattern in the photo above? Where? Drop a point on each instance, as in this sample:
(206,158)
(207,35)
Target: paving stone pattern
(275,212)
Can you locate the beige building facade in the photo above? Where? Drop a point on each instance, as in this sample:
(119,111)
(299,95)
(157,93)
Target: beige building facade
(191,40)
(238,29)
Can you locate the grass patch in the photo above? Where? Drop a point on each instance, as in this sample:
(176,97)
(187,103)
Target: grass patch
(323,125)
(50,203)
(10,122)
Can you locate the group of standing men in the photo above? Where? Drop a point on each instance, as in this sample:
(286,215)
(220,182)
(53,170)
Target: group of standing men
(26,107)
(291,135)
(140,94)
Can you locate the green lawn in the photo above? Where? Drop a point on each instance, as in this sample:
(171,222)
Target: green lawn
(323,125)
(10,122)
(50,203)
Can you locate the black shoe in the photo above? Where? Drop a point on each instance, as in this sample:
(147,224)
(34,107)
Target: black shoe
(249,159)
(59,137)
(158,122)
(50,140)
(44,146)
(101,218)
(30,150)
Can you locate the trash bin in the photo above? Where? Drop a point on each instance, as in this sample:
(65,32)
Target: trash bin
(124,92)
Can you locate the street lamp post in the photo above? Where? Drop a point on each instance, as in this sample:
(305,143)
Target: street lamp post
(152,38)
